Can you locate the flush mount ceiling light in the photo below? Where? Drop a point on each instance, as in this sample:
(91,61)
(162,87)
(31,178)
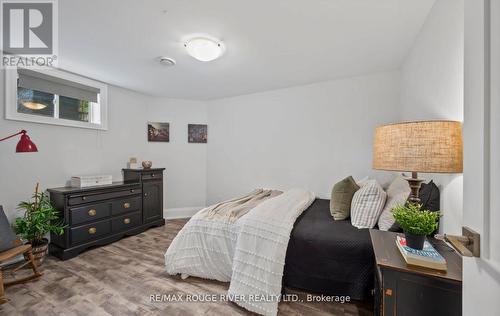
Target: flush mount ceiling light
(34,105)
(204,49)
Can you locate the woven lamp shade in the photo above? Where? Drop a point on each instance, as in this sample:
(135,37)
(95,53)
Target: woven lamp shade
(426,146)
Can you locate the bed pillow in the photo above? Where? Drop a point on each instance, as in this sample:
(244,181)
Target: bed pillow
(397,194)
(398,185)
(342,193)
(367,204)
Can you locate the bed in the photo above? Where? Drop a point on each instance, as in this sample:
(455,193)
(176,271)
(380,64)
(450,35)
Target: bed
(290,238)
(327,256)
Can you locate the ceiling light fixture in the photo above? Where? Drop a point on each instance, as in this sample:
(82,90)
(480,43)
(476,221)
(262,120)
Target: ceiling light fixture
(34,105)
(204,49)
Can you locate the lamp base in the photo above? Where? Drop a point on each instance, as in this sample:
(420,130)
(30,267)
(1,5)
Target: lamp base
(414,183)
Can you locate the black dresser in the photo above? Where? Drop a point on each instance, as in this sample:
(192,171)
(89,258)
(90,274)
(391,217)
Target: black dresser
(100,215)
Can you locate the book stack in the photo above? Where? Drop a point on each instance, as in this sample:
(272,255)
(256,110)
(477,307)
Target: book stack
(90,181)
(428,257)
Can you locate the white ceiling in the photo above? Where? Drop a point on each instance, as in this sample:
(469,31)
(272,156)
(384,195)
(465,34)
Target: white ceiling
(270,43)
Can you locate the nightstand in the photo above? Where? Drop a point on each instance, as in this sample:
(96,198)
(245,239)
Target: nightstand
(407,290)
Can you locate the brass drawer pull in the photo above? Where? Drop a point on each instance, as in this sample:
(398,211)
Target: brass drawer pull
(126,221)
(126,205)
(92,230)
(92,212)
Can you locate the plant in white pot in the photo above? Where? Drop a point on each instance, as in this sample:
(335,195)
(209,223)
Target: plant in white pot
(40,218)
(416,223)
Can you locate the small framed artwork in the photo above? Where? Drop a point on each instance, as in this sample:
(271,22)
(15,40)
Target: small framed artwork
(158,132)
(197,133)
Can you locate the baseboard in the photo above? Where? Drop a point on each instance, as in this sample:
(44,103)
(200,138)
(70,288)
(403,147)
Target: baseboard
(180,212)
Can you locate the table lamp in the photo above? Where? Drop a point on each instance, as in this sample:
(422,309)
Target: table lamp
(422,146)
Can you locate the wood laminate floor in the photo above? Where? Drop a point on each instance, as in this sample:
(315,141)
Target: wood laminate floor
(119,279)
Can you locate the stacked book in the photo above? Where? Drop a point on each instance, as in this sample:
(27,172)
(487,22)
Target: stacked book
(427,257)
(90,181)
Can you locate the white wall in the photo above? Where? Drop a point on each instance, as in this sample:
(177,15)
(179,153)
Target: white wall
(308,136)
(432,78)
(185,163)
(67,151)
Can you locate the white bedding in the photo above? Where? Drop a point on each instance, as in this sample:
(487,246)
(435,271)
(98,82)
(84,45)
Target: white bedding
(249,253)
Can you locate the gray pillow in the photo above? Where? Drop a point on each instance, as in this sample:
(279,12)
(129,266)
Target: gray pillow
(8,239)
(342,193)
(397,194)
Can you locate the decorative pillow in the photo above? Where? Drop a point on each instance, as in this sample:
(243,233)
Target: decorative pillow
(367,204)
(7,237)
(342,193)
(397,193)
(429,196)
(398,185)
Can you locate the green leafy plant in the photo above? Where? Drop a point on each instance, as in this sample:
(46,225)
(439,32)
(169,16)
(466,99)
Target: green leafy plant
(40,218)
(413,220)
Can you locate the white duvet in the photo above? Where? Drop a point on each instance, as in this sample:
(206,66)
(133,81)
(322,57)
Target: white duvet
(249,253)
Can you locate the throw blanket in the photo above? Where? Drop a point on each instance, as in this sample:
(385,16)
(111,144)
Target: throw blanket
(249,252)
(232,210)
(260,253)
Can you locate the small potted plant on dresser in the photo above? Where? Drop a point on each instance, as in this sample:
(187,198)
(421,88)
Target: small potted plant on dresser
(416,223)
(40,218)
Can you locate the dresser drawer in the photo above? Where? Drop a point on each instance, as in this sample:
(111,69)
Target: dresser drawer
(126,205)
(87,198)
(90,231)
(126,222)
(89,213)
(152,175)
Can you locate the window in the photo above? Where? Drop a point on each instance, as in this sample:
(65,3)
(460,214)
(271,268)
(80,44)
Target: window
(55,97)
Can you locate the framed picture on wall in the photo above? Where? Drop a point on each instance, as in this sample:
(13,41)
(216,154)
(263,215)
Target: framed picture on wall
(197,133)
(158,132)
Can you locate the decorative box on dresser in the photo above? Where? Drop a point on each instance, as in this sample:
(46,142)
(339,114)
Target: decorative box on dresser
(401,289)
(100,215)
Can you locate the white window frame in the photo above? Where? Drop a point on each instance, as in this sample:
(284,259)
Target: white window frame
(11,76)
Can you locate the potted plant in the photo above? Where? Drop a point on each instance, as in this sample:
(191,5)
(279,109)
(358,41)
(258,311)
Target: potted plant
(416,223)
(40,218)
